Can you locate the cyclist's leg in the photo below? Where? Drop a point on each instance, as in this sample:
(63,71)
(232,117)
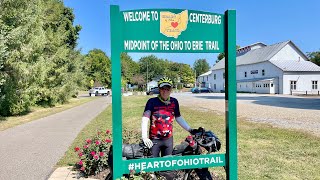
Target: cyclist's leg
(167,147)
(156,147)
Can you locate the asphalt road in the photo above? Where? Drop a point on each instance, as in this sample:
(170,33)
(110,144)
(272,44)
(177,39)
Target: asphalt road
(285,111)
(30,151)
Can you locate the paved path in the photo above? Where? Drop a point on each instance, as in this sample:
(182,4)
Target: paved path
(30,151)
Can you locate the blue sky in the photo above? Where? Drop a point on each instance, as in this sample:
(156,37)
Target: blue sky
(268,22)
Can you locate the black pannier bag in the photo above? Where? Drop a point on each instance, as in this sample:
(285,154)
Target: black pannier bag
(169,175)
(133,151)
(180,149)
(130,151)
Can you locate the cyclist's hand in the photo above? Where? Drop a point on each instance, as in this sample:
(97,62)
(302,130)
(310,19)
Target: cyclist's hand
(147,142)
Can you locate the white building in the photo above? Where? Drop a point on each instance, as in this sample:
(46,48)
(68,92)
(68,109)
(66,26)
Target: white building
(276,69)
(204,80)
(152,84)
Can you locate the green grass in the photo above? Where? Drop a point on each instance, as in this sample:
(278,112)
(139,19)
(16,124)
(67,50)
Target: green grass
(264,152)
(40,112)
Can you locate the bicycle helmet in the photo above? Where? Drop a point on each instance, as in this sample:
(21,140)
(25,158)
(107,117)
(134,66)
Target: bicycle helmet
(165,81)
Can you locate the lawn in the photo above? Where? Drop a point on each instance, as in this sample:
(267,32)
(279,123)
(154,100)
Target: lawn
(264,152)
(37,112)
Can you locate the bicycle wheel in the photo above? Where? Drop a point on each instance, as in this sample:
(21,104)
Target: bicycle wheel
(190,175)
(198,174)
(109,176)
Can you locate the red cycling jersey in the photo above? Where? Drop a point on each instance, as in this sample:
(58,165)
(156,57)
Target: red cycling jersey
(161,116)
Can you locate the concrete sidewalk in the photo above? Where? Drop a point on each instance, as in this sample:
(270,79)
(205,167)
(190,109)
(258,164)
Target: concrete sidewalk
(31,151)
(66,173)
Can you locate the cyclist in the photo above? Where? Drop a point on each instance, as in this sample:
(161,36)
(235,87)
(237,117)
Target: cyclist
(161,111)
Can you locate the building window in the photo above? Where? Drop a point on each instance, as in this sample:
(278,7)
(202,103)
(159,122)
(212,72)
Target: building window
(271,84)
(214,86)
(245,74)
(262,72)
(214,76)
(293,85)
(314,84)
(224,75)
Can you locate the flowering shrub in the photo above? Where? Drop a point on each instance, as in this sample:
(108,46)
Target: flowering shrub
(93,155)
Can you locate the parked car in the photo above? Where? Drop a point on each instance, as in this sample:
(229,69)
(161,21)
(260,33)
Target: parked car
(154,90)
(201,90)
(99,91)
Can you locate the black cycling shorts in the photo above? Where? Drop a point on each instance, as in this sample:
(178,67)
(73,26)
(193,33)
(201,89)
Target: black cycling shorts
(165,146)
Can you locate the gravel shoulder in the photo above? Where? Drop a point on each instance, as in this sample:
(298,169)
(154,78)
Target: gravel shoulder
(292,112)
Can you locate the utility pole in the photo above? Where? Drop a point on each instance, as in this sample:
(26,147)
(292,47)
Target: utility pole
(195,75)
(147,75)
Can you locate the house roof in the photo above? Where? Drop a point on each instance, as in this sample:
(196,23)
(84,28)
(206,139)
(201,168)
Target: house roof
(265,53)
(206,74)
(294,65)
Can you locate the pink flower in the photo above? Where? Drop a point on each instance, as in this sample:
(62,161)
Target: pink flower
(96,157)
(108,131)
(80,163)
(93,153)
(76,149)
(88,141)
(98,142)
(82,168)
(80,154)
(108,140)
(86,146)
(101,154)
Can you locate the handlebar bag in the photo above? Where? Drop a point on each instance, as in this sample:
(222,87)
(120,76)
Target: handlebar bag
(210,136)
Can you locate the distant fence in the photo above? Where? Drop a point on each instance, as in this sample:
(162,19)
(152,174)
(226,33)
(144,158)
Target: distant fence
(305,93)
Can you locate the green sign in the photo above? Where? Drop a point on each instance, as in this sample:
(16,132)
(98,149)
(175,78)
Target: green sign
(172,30)
(180,31)
(174,162)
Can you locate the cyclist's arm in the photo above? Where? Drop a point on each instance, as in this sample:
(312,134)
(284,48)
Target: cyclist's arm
(183,123)
(144,127)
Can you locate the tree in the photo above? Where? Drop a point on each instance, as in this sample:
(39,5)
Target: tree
(151,67)
(73,33)
(63,62)
(187,74)
(314,57)
(37,64)
(139,80)
(201,66)
(128,67)
(98,67)
(22,45)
